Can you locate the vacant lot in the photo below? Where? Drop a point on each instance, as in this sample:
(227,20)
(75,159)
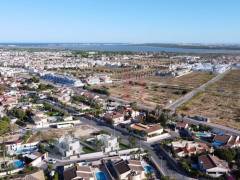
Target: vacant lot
(80,131)
(155,90)
(220,102)
(191,80)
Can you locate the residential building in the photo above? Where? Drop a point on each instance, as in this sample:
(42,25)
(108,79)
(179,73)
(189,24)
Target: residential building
(226,140)
(212,165)
(36,159)
(110,143)
(137,170)
(84,173)
(121,169)
(114,117)
(19,147)
(147,130)
(68,146)
(184,148)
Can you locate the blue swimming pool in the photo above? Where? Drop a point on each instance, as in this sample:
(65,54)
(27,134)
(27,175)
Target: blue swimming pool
(201,134)
(18,164)
(101,176)
(148,169)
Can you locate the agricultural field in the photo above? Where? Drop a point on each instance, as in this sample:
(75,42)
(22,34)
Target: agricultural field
(154,91)
(220,102)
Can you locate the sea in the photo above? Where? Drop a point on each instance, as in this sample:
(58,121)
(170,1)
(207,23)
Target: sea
(119,47)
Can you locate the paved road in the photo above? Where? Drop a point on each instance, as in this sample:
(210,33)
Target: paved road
(162,164)
(190,95)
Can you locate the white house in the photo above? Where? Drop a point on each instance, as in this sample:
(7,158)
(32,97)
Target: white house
(68,146)
(19,147)
(110,142)
(41,120)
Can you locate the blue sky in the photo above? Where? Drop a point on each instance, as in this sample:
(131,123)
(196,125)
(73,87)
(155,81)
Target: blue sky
(134,21)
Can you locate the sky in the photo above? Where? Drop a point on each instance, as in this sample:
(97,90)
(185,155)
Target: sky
(125,21)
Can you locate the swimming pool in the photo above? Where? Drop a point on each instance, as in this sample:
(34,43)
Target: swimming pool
(101,176)
(148,169)
(18,164)
(201,134)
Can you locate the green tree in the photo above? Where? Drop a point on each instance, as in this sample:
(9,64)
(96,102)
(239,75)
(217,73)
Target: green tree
(132,141)
(162,119)
(227,154)
(133,105)
(4,125)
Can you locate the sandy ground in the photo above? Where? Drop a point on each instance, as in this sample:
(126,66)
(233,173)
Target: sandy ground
(158,90)
(80,131)
(220,102)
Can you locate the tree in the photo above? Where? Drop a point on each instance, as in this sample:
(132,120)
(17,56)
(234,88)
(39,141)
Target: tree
(227,154)
(132,141)
(162,119)
(133,105)
(4,125)
(34,79)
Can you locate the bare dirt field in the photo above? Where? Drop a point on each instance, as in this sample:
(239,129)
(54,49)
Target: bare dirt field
(191,80)
(154,91)
(80,131)
(220,102)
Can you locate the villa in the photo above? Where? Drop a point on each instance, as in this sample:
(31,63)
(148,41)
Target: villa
(212,165)
(147,130)
(226,141)
(110,142)
(114,117)
(187,148)
(68,146)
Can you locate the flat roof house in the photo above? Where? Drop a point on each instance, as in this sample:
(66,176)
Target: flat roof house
(84,173)
(68,146)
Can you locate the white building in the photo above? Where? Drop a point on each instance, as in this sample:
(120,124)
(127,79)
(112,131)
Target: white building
(110,142)
(68,146)
(19,147)
(93,80)
(41,120)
